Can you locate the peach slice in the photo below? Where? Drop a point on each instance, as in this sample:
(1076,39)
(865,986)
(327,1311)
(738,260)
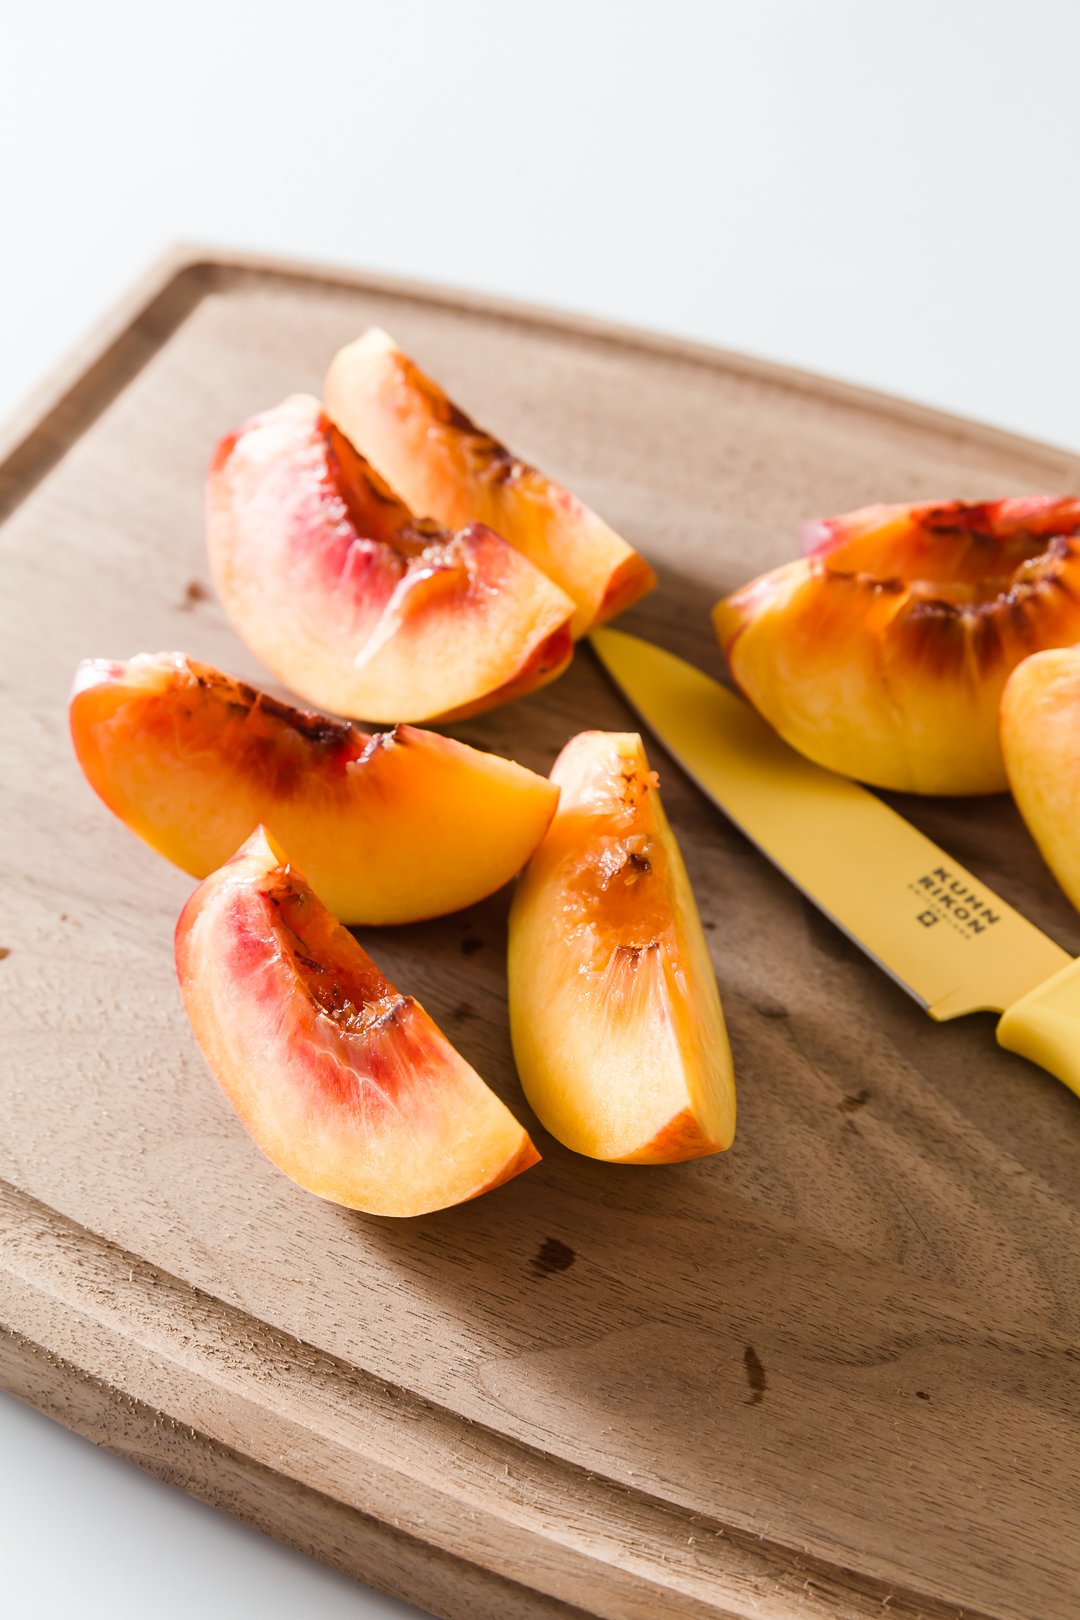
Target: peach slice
(354,602)
(614,1012)
(389,828)
(883,653)
(1040,740)
(444,464)
(344,1083)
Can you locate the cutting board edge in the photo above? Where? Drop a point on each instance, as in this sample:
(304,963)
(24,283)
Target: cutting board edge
(73,1306)
(39,430)
(359,1545)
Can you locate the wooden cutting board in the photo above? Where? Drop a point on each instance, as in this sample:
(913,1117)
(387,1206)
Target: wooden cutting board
(832,1373)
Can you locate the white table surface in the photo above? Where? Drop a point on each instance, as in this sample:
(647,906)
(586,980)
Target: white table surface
(887,194)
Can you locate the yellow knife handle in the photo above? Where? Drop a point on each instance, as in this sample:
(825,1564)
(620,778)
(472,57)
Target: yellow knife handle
(1044,1026)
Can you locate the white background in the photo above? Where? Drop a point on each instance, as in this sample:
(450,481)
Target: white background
(885,193)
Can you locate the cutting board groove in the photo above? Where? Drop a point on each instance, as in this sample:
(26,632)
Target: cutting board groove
(832,1373)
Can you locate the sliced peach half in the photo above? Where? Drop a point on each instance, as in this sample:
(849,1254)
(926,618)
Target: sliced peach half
(389,828)
(354,602)
(344,1083)
(442,463)
(615,1015)
(1040,740)
(884,652)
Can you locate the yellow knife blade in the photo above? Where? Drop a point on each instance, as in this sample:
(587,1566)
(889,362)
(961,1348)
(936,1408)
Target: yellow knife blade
(940,932)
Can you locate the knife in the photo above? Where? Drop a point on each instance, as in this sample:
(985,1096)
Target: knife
(935,928)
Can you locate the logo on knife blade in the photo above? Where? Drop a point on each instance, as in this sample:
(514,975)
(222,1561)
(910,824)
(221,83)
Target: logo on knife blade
(952,900)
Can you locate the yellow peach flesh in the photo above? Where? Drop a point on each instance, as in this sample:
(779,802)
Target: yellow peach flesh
(1040,741)
(345,1084)
(359,606)
(389,828)
(883,654)
(615,1015)
(442,463)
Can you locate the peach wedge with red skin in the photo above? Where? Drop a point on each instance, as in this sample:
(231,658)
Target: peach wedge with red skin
(355,603)
(1040,739)
(884,652)
(344,1083)
(615,1015)
(389,828)
(442,463)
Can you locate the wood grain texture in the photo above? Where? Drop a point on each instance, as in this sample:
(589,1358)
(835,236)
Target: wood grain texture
(833,1373)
